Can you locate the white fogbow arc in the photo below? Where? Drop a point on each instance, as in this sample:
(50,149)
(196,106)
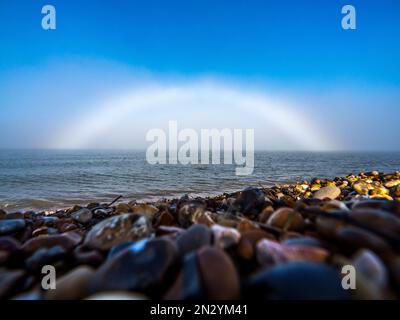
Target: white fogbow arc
(161,99)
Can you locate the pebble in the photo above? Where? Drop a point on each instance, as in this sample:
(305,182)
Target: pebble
(361,188)
(223,282)
(225,237)
(117,295)
(8,226)
(116,230)
(378,219)
(2,214)
(165,219)
(9,244)
(328,226)
(123,208)
(122,246)
(271,252)
(40,231)
(303,241)
(50,221)
(14,216)
(4,256)
(250,200)
(333,205)
(372,275)
(67,240)
(73,285)
(138,268)
(145,209)
(188,211)
(298,281)
(83,215)
(356,238)
(9,280)
(91,258)
(265,214)
(203,217)
(286,218)
(367,204)
(188,284)
(194,238)
(392,183)
(44,256)
(247,244)
(329,192)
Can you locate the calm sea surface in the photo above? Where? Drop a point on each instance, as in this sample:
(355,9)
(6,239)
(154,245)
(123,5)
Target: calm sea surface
(51,179)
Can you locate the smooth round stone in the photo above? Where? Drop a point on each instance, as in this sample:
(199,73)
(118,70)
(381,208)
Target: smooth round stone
(246,225)
(286,218)
(117,295)
(123,208)
(219,275)
(298,281)
(145,209)
(9,280)
(249,201)
(14,216)
(328,226)
(356,238)
(271,252)
(116,230)
(82,216)
(9,244)
(165,219)
(73,285)
(122,246)
(367,204)
(8,226)
(372,274)
(87,257)
(225,237)
(40,231)
(379,190)
(67,240)
(50,221)
(63,222)
(394,266)
(203,217)
(4,255)
(392,183)
(137,268)
(378,219)
(303,241)
(188,284)
(333,205)
(44,256)
(361,188)
(169,230)
(265,214)
(195,237)
(32,295)
(329,192)
(247,244)
(52,231)
(190,212)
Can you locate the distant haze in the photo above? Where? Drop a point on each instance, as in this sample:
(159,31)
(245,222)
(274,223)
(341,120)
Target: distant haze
(107,106)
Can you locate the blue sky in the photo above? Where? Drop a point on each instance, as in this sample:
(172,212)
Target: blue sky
(292,48)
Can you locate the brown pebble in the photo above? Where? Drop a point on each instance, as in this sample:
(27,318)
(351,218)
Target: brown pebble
(286,218)
(223,282)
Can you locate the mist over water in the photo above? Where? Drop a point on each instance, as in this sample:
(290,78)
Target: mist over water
(48,179)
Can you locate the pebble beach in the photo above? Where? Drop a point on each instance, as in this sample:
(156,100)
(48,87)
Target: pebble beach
(281,242)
